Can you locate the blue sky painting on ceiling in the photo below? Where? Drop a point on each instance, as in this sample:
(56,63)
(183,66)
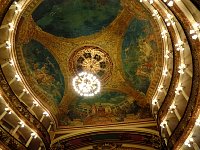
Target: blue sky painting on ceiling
(138,48)
(74,18)
(44,70)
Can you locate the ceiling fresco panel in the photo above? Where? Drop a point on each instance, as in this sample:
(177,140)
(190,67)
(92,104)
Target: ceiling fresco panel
(44,70)
(138,54)
(74,18)
(105,108)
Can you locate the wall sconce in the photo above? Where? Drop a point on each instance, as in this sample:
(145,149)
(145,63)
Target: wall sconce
(22,124)
(195,31)
(179,88)
(180,46)
(197,123)
(172,108)
(156,14)
(164,33)
(18,7)
(160,88)
(8,45)
(165,72)
(8,110)
(11,26)
(163,124)
(181,68)
(17,77)
(170,3)
(169,20)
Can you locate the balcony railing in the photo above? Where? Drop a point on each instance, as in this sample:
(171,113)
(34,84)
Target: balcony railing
(8,140)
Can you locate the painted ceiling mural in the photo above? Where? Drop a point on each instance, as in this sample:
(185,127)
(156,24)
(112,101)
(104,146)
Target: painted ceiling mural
(44,70)
(105,108)
(54,35)
(138,51)
(74,18)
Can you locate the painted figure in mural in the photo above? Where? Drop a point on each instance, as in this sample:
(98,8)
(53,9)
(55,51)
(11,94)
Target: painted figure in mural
(94,109)
(42,76)
(101,110)
(44,70)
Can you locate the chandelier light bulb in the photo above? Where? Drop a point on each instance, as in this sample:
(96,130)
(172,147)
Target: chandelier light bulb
(86,84)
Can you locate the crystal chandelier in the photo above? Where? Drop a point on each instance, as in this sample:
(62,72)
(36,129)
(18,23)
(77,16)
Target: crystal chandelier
(86,84)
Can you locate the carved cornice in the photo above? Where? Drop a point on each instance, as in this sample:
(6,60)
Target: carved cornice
(21,110)
(121,137)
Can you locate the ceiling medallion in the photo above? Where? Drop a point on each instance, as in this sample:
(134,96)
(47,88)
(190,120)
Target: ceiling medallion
(91,59)
(86,84)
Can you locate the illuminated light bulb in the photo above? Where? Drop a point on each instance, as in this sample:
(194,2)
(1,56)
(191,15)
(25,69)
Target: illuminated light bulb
(167,54)
(34,135)
(169,20)
(156,14)
(195,31)
(197,123)
(160,88)
(192,31)
(151,1)
(11,62)
(164,34)
(22,124)
(181,68)
(191,139)
(35,103)
(172,108)
(26,91)
(8,44)
(187,143)
(8,110)
(179,88)
(170,3)
(163,124)
(196,25)
(194,36)
(18,7)
(154,101)
(179,46)
(46,114)
(17,77)
(143,1)
(165,72)
(11,26)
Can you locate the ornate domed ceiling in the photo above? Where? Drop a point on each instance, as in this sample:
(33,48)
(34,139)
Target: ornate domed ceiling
(117,41)
(145,53)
